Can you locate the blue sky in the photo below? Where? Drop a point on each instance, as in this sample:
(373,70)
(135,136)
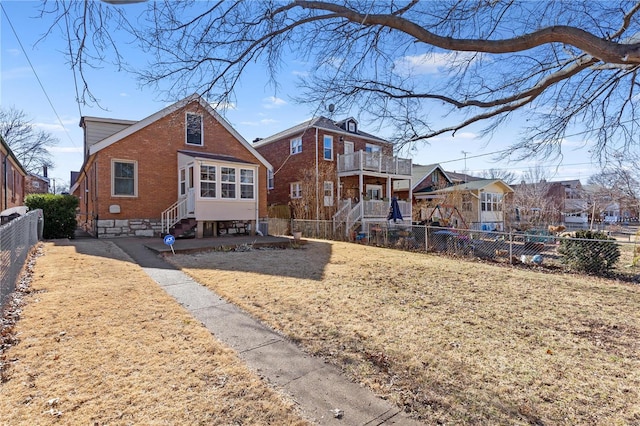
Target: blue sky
(257,112)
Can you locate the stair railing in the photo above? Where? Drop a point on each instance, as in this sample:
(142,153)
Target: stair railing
(174,214)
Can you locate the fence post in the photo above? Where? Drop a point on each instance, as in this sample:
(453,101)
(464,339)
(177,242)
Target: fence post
(426,239)
(511,247)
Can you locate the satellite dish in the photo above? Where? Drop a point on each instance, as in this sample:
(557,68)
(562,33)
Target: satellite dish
(332,107)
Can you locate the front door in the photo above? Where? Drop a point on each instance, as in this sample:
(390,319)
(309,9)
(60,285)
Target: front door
(348,155)
(191,192)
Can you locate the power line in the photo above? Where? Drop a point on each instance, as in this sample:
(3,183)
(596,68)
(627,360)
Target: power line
(46,95)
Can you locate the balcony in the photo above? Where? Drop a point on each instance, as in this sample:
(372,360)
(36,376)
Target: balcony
(376,162)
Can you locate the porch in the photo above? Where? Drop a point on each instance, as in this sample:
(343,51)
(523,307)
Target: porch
(377,162)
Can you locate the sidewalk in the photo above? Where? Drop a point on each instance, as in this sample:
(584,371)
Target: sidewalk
(318,387)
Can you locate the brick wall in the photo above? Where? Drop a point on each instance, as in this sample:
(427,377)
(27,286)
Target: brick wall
(288,167)
(154,148)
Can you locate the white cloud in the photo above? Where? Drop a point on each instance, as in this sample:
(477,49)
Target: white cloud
(124,95)
(222,106)
(16,73)
(56,127)
(458,136)
(431,63)
(300,73)
(273,102)
(13,52)
(263,122)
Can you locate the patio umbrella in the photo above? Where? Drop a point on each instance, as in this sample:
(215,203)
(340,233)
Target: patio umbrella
(394,210)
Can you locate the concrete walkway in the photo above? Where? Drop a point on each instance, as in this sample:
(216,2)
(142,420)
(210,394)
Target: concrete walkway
(318,387)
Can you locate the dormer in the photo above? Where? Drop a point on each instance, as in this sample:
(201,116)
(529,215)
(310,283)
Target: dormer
(350,125)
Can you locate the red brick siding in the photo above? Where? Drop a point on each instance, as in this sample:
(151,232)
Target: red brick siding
(288,167)
(155,150)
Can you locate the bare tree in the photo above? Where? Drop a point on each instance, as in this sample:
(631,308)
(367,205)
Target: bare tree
(504,175)
(564,66)
(534,203)
(29,145)
(617,183)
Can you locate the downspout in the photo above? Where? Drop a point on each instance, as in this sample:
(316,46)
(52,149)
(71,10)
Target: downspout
(317,165)
(4,181)
(259,193)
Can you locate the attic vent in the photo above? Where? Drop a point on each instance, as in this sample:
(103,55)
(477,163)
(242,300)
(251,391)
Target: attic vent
(351,126)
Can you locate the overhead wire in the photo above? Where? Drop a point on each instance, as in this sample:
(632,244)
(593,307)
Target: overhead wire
(44,91)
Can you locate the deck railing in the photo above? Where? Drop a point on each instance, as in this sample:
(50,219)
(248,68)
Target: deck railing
(374,162)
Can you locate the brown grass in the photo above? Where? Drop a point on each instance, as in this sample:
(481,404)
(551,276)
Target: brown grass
(102,344)
(451,341)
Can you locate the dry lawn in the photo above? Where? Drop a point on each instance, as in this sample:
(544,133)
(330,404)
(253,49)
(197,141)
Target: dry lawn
(452,341)
(101,343)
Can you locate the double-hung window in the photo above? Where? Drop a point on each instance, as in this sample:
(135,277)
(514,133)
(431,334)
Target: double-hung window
(270,179)
(194,129)
(328,147)
(296,145)
(124,178)
(207,181)
(246,184)
(328,193)
(228,179)
(183,181)
(295,190)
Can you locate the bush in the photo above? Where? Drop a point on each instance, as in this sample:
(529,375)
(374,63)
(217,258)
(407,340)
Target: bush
(592,252)
(59,213)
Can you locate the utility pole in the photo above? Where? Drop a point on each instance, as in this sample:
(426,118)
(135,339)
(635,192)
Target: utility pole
(465,164)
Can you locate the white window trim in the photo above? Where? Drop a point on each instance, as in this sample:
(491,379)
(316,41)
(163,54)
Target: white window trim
(182,180)
(252,184)
(235,182)
(324,139)
(270,179)
(201,181)
(328,199)
(113,178)
(295,146)
(186,129)
(298,190)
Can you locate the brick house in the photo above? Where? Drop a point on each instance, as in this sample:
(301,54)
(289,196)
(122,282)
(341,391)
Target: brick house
(181,169)
(38,184)
(12,178)
(326,170)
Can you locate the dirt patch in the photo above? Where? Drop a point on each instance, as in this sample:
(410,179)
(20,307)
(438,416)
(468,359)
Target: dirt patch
(450,341)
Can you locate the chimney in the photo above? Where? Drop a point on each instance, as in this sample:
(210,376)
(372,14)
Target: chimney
(44,171)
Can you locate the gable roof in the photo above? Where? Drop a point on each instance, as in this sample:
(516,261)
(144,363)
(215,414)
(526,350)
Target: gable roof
(168,110)
(10,153)
(472,186)
(419,173)
(317,123)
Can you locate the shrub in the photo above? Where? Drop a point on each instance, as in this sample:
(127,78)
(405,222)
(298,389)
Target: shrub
(592,252)
(59,213)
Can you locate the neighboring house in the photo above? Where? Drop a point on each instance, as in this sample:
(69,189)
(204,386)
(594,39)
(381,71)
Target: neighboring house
(478,204)
(332,170)
(544,203)
(38,184)
(12,178)
(181,167)
(424,178)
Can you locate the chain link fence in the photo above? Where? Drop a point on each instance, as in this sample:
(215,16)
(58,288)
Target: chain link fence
(598,254)
(17,237)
